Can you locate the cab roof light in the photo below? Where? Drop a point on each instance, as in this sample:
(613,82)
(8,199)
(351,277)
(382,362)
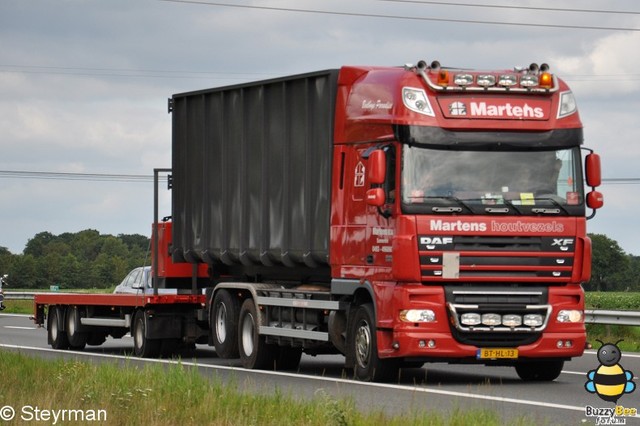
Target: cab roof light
(529,80)
(507,80)
(443,78)
(486,80)
(546,80)
(463,80)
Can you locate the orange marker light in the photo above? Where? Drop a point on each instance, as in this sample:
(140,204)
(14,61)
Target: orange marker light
(443,78)
(546,80)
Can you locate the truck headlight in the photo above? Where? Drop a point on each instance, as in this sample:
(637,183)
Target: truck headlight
(572,315)
(470,318)
(418,315)
(491,319)
(511,320)
(533,320)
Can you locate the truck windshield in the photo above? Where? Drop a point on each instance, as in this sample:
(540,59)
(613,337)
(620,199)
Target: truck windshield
(506,182)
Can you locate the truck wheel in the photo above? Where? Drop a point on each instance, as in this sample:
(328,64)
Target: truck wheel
(223,324)
(255,353)
(77,339)
(368,366)
(540,371)
(143,347)
(57,337)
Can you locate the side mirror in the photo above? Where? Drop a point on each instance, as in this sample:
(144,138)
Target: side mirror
(595,200)
(593,170)
(377,167)
(376,197)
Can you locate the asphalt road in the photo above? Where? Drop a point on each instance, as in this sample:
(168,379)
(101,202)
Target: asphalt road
(438,387)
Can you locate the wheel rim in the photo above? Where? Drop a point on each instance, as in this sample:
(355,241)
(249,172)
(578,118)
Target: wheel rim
(54,325)
(72,323)
(221,322)
(363,344)
(139,334)
(247,334)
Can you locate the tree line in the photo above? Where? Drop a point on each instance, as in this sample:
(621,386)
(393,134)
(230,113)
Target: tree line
(87,259)
(611,268)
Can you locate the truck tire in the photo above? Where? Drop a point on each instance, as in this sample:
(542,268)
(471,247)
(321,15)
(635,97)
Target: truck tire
(77,339)
(57,337)
(143,347)
(223,323)
(540,371)
(363,342)
(254,352)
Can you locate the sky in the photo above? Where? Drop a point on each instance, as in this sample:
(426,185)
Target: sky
(84,86)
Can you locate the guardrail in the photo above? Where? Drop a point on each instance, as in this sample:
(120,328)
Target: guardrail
(18,295)
(591,316)
(612,317)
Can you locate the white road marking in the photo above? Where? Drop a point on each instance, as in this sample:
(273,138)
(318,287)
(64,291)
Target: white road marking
(624,354)
(20,328)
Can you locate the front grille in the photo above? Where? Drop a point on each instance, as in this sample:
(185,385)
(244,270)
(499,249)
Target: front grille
(500,258)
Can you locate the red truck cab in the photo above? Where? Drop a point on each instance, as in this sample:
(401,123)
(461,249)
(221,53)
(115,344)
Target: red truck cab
(459,204)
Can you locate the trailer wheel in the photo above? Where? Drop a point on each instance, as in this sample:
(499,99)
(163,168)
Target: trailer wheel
(540,371)
(143,347)
(77,339)
(57,337)
(363,342)
(223,322)
(255,353)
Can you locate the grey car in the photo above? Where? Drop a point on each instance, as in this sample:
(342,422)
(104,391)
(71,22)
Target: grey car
(137,281)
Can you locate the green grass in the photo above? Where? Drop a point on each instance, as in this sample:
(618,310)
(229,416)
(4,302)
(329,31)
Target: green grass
(18,307)
(170,395)
(630,336)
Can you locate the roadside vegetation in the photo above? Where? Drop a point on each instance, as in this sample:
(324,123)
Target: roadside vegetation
(170,395)
(614,301)
(78,260)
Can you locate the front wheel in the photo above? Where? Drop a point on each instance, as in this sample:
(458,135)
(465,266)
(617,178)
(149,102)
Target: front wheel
(363,342)
(540,371)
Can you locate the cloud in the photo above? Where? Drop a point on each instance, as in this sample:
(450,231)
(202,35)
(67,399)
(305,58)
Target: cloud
(84,85)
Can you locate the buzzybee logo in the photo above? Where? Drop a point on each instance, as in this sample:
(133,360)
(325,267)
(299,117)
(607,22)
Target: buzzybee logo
(610,381)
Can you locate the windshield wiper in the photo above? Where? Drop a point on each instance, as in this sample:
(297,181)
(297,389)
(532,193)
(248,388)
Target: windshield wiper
(543,210)
(449,209)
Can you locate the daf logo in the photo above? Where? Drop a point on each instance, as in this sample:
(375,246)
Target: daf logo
(432,242)
(457,108)
(562,243)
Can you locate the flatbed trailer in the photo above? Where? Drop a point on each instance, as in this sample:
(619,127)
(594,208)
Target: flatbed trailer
(158,323)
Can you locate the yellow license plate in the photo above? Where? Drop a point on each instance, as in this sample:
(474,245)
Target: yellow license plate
(497,353)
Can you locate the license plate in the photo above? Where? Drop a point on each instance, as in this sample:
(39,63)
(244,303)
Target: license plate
(497,353)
